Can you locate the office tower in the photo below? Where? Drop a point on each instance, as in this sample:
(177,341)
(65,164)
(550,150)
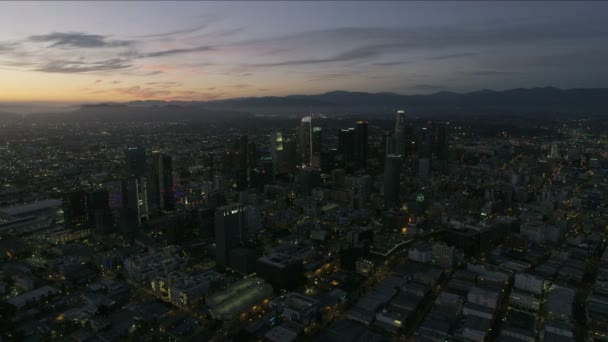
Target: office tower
(290,155)
(424,143)
(388,144)
(346,145)
(230,229)
(554,151)
(277,151)
(161,182)
(136,161)
(252,155)
(392,172)
(305,145)
(75,213)
(363,190)
(243,146)
(317,139)
(135,192)
(361,144)
(317,147)
(440,140)
(100,214)
(135,199)
(399,136)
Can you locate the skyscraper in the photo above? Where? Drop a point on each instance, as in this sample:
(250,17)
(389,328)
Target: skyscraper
(161,182)
(135,200)
(136,161)
(346,145)
(424,143)
(75,212)
(317,147)
(230,229)
(305,136)
(361,144)
(276,149)
(392,173)
(400,133)
(243,152)
(135,186)
(100,214)
(440,140)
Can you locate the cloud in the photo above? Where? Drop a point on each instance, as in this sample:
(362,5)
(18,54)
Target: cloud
(489,72)
(453,55)
(364,52)
(240,86)
(98,81)
(115,82)
(391,63)
(7,47)
(75,67)
(78,40)
(175,32)
(139,92)
(171,52)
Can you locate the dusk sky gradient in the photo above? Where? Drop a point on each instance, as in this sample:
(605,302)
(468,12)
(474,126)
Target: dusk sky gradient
(121,51)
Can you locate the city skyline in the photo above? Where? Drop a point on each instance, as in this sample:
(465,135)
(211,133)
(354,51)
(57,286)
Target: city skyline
(68,52)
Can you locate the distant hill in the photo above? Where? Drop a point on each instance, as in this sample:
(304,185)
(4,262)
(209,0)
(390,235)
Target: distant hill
(528,102)
(533,101)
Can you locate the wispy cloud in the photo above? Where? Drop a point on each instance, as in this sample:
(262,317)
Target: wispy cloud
(391,63)
(78,40)
(364,52)
(453,55)
(187,30)
(489,72)
(170,52)
(75,67)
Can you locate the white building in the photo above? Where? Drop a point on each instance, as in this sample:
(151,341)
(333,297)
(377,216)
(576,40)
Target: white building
(421,253)
(528,282)
(484,297)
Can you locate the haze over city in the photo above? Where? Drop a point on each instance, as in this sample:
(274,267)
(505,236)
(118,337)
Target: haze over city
(86,52)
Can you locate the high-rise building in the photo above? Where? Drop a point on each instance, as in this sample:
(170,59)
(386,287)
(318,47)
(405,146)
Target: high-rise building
(392,173)
(135,198)
(252,154)
(290,155)
(161,183)
(554,151)
(230,229)
(243,152)
(100,214)
(136,161)
(75,211)
(278,153)
(346,146)
(135,191)
(361,147)
(424,143)
(305,136)
(400,134)
(440,140)
(317,147)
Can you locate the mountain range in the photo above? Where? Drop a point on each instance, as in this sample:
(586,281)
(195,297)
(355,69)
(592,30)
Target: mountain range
(532,102)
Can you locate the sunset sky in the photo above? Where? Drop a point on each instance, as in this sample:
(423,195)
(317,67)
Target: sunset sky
(75,52)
